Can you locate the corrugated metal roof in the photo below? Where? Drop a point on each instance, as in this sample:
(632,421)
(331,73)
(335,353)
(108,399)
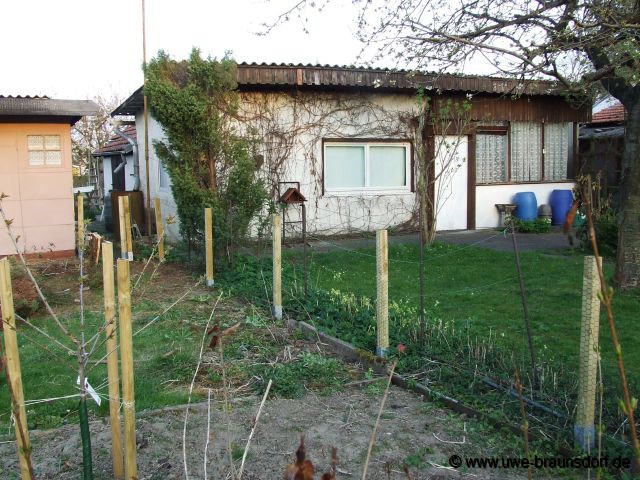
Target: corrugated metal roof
(117,144)
(254,76)
(24,96)
(45,107)
(614,113)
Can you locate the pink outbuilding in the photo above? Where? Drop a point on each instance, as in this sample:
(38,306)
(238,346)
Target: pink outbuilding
(36,180)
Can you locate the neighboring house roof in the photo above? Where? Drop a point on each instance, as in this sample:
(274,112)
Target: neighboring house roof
(35,108)
(614,113)
(118,144)
(327,77)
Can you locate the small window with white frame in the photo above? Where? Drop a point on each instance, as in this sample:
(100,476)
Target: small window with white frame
(163,181)
(44,150)
(367,167)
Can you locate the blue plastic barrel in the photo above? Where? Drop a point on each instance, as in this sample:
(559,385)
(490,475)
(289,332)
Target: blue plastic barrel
(560,201)
(526,206)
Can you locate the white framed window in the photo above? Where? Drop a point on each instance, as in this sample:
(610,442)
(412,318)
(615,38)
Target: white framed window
(44,150)
(367,167)
(163,176)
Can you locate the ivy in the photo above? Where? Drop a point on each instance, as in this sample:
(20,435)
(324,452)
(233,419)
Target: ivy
(210,163)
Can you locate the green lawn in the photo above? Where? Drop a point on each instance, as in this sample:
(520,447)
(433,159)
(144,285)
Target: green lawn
(478,288)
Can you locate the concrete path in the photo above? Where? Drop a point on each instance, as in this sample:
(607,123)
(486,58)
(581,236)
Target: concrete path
(487,238)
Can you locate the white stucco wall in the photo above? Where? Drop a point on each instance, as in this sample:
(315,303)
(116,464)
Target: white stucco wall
(292,127)
(488,195)
(167,203)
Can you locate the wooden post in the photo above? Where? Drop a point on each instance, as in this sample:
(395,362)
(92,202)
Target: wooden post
(276,234)
(127,223)
(126,352)
(80,239)
(112,358)
(159,230)
(13,365)
(584,428)
(208,236)
(382,305)
(124,249)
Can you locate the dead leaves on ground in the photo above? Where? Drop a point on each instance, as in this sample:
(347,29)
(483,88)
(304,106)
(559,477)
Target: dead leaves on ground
(303,469)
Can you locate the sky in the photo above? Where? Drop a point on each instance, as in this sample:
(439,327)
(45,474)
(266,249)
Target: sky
(82,48)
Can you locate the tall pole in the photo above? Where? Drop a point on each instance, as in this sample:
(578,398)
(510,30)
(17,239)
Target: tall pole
(525,308)
(382,281)
(146,121)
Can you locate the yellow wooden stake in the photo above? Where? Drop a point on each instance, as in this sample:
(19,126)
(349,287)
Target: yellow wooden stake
(112,358)
(13,364)
(124,249)
(276,234)
(80,239)
(127,222)
(126,352)
(208,235)
(382,305)
(584,427)
(159,230)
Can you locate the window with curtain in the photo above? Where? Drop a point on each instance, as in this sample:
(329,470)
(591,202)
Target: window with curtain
(361,166)
(526,152)
(491,157)
(557,146)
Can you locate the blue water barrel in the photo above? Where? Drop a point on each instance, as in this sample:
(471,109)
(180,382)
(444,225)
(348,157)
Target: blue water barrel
(526,206)
(560,201)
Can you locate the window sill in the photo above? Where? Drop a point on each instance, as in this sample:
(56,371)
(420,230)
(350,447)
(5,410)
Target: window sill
(365,193)
(524,183)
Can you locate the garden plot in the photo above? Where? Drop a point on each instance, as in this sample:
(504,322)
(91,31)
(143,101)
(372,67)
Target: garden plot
(330,402)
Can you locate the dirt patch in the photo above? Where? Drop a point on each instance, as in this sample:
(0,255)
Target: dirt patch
(343,420)
(25,297)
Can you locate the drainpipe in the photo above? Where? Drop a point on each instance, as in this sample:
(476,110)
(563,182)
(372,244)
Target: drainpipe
(136,161)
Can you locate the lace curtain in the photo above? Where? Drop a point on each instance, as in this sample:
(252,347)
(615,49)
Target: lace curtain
(491,158)
(556,150)
(526,154)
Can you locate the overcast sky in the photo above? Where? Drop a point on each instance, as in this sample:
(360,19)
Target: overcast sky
(81,48)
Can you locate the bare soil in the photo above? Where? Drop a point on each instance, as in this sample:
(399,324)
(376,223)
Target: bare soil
(344,420)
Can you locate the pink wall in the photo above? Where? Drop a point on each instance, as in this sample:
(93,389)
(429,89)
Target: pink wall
(40,200)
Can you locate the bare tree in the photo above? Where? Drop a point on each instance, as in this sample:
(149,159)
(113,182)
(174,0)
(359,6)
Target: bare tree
(586,45)
(91,133)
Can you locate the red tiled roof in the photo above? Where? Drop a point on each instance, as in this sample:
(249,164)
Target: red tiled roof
(117,143)
(614,113)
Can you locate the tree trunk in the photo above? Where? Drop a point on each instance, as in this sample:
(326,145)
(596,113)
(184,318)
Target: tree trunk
(628,256)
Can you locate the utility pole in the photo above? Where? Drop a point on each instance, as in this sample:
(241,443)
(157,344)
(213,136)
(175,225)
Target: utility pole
(146,122)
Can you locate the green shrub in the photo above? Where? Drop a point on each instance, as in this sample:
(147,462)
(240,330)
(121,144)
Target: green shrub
(539,225)
(606,226)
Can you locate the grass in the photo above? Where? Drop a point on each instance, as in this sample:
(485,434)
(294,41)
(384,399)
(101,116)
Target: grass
(476,289)
(165,354)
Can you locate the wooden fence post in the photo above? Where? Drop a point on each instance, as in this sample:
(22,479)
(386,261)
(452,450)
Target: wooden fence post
(208,235)
(112,358)
(584,428)
(159,230)
(80,208)
(382,304)
(127,223)
(126,352)
(124,249)
(13,366)
(276,234)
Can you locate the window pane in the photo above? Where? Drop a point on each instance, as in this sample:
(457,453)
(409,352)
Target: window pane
(344,166)
(164,176)
(53,157)
(556,150)
(491,158)
(387,166)
(526,142)
(36,157)
(52,142)
(35,142)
